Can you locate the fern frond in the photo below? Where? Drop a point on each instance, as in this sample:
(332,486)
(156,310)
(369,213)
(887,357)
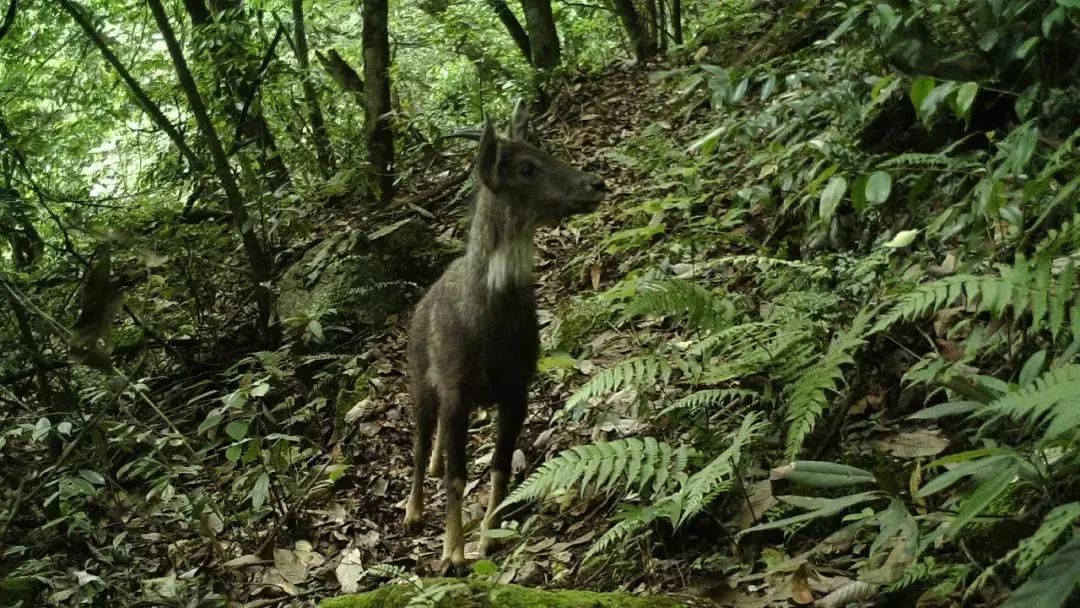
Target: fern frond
(1052,400)
(1026,287)
(709,399)
(637,371)
(634,521)
(715,478)
(917,159)
(681,299)
(1052,583)
(807,397)
(765,263)
(604,467)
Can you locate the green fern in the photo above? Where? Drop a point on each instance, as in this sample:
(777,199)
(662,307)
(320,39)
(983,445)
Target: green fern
(638,465)
(632,372)
(635,520)
(710,399)
(1025,288)
(764,264)
(1051,401)
(681,299)
(807,397)
(1053,582)
(717,476)
(917,159)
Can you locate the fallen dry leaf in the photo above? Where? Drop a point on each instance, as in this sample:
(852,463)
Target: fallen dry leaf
(915,444)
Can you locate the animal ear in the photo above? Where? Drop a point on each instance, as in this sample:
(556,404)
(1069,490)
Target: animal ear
(487,162)
(519,121)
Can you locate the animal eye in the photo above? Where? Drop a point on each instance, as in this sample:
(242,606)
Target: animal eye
(528,170)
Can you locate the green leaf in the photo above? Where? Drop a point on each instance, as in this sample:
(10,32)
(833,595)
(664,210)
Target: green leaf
(260,491)
(831,507)
(920,89)
(965,96)
(878,187)
(957,473)
(942,410)
(1052,583)
(92,476)
(1026,101)
(1032,368)
(821,474)
(831,197)
(500,533)
(977,501)
(213,418)
(1025,48)
(260,389)
(237,429)
(236,399)
(555,360)
(902,239)
(1025,148)
(315,329)
(234,452)
(485,567)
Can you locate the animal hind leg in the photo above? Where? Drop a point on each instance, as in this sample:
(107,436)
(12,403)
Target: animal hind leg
(438,455)
(425,414)
(454,420)
(512,413)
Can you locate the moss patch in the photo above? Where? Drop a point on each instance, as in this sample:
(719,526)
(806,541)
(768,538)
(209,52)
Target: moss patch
(481,594)
(14,590)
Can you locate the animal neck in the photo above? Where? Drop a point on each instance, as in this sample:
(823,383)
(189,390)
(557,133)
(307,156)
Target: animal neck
(500,246)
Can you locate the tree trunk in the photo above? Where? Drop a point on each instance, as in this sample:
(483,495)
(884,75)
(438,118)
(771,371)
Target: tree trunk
(152,110)
(513,26)
(543,38)
(644,49)
(676,21)
(257,257)
(377,125)
(238,75)
(662,26)
(323,152)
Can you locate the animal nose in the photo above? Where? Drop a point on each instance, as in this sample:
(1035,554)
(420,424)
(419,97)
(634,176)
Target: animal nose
(598,184)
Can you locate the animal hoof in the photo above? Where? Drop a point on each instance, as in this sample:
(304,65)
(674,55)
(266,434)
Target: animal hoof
(436,469)
(488,546)
(451,570)
(413,523)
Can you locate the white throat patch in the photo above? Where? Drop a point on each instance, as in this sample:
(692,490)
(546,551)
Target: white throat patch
(510,264)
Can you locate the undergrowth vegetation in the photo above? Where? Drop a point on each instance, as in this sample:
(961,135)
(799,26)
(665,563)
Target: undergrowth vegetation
(863,277)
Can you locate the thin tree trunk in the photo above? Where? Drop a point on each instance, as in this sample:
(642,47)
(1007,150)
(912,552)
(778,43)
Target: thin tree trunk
(378,127)
(662,26)
(543,37)
(676,21)
(323,152)
(238,73)
(26,331)
(513,26)
(152,110)
(257,257)
(639,38)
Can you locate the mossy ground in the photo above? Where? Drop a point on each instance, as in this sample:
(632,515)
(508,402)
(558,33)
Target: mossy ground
(13,590)
(481,594)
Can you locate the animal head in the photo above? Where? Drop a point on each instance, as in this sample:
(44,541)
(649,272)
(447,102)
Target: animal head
(549,189)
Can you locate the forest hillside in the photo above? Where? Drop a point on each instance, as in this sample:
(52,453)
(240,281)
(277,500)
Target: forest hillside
(819,345)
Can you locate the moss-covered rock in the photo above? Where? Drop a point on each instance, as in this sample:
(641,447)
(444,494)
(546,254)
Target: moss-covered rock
(451,593)
(15,590)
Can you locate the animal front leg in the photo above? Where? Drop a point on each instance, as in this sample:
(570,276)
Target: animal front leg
(511,418)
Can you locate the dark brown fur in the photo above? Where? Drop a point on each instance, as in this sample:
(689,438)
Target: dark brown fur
(474,335)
